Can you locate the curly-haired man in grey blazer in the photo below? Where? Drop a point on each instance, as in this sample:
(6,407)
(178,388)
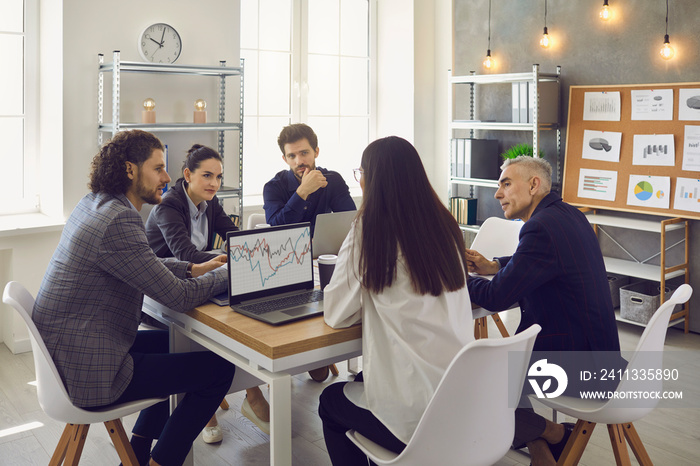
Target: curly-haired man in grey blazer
(89,305)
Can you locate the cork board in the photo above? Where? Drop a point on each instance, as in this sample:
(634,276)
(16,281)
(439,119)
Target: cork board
(575,142)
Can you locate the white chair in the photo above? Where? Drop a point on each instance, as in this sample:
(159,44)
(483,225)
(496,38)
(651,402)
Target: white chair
(469,420)
(619,413)
(497,237)
(54,400)
(255,219)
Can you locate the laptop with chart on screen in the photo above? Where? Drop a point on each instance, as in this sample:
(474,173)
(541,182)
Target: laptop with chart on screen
(271,275)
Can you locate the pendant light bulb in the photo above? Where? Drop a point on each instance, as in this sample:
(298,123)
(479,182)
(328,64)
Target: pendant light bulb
(489,62)
(667,51)
(605,12)
(544,41)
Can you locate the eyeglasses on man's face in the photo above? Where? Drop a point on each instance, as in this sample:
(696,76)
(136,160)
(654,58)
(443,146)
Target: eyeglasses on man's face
(358,172)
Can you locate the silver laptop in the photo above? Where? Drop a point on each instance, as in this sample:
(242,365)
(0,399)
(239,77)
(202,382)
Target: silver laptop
(330,231)
(271,275)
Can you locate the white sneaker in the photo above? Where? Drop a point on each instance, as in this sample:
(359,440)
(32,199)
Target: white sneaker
(212,434)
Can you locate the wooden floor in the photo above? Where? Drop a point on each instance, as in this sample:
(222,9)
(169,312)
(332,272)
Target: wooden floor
(28,437)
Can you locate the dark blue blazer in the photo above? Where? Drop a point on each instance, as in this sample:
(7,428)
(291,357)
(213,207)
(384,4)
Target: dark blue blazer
(558,277)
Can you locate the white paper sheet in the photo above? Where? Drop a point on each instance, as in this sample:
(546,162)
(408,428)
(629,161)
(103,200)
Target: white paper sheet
(687,196)
(652,104)
(691,149)
(601,106)
(601,145)
(689,104)
(597,184)
(654,149)
(649,191)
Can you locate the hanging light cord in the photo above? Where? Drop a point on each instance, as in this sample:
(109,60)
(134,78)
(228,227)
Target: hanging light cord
(545,13)
(489,48)
(666,17)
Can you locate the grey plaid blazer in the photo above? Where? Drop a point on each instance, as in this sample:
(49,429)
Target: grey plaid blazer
(89,304)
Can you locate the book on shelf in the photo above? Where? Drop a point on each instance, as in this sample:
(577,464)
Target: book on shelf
(548,95)
(464,210)
(474,158)
(524,98)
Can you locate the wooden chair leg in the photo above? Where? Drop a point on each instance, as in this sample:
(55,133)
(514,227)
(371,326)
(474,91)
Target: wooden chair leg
(76,444)
(484,328)
(577,443)
(334,370)
(59,453)
(480,328)
(501,327)
(619,446)
(636,445)
(121,442)
(224,405)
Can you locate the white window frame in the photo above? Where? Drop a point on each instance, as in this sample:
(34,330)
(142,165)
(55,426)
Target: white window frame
(298,88)
(28,200)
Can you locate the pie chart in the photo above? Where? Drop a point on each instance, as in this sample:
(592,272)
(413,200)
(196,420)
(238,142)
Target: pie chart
(600,144)
(643,190)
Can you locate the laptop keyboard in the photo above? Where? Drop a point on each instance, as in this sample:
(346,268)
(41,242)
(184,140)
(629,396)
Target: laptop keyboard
(283,303)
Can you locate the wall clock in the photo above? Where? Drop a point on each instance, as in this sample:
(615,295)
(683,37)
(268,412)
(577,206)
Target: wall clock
(160,43)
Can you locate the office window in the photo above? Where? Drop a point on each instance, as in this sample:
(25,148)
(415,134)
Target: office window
(17,153)
(305,61)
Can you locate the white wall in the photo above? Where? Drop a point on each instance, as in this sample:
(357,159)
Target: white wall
(209,32)
(23,258)
(433,57)
(395,67)
(414,52)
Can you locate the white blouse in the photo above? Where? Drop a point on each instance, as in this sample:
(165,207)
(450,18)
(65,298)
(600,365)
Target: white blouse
(408,339)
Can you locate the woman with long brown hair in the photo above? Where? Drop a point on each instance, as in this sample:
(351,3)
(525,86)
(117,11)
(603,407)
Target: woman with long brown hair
(401,272)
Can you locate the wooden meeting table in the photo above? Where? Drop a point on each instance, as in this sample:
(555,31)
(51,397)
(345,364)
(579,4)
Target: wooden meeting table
(262,353)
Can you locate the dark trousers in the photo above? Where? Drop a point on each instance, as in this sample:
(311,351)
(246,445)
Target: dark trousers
(203,377)
(339,415)
(529,426)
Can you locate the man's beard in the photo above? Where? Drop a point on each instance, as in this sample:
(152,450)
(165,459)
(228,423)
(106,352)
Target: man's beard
(149,197)
(308,169)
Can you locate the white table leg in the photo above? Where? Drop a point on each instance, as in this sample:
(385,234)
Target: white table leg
(281,420)
(353,365)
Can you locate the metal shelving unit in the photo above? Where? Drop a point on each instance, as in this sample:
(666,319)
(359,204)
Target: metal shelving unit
(634,267)
(221,126)
(472,125)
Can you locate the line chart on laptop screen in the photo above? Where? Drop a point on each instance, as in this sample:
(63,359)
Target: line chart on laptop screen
(270,259)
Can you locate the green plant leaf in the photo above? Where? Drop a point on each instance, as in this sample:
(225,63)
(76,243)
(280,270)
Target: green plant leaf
(520,149)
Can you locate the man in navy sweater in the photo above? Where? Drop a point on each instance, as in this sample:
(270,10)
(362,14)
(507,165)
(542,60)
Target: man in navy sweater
(304,191)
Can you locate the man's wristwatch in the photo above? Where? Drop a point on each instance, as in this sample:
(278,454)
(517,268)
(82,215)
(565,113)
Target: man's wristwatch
(188,274)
